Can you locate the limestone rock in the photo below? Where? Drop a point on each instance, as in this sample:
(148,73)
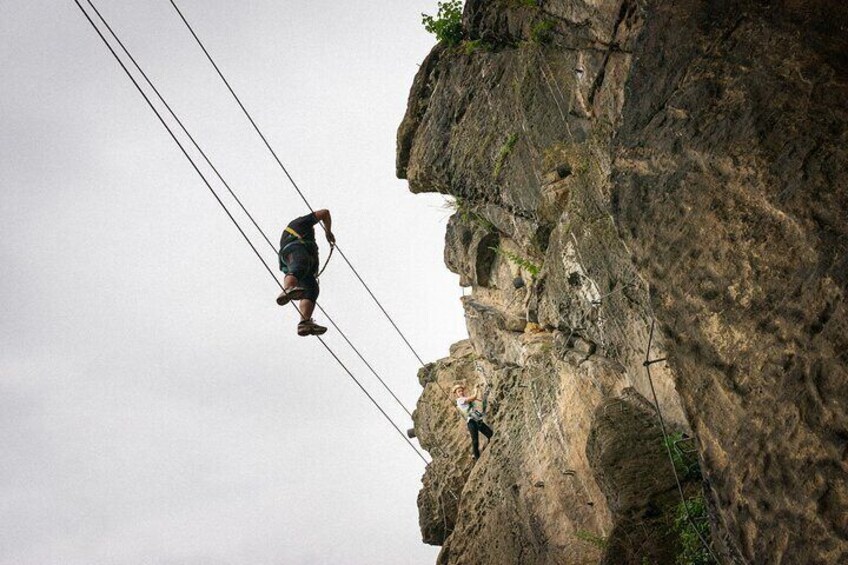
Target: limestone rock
(636,162)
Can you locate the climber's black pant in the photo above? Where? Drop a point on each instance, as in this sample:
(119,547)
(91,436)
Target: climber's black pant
(473,427)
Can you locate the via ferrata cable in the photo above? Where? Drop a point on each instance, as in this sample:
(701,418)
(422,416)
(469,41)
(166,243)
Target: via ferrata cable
(229,214)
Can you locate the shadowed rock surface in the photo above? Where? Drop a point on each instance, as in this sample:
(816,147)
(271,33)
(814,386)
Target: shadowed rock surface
(614,164)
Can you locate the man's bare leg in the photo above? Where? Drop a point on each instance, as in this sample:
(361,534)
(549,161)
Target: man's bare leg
(290,281)
(307,326)
(306,309)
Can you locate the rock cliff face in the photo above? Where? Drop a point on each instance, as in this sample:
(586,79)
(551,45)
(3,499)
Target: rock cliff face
(616,164)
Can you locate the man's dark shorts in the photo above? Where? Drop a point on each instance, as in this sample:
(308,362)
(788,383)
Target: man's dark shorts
(301,263)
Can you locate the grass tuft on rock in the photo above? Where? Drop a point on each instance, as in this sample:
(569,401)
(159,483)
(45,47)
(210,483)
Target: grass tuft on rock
(504,152)
(598,541)
(471,46)
(542,32)
(526,264)
(468,213)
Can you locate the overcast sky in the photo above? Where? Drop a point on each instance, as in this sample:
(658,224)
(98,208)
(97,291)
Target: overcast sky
(156,405)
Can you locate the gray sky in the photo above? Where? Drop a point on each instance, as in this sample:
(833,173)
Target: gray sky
(156,406)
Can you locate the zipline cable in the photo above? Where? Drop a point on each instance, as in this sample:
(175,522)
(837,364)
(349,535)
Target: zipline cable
(233,220)
(223,181)
(305,201)
(311,209)
(255,224)
(294,184)
(238,200)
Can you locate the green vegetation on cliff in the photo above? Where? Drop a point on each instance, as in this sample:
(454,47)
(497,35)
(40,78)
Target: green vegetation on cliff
(692,551)
(526,264)
(503,153)
(446,25)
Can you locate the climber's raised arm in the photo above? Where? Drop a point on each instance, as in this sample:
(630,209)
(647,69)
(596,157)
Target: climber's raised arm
(324,217)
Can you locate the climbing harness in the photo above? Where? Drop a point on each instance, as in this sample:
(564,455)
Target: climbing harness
(300,241)
(474,413)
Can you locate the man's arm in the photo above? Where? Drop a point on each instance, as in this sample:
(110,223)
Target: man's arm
(324,217)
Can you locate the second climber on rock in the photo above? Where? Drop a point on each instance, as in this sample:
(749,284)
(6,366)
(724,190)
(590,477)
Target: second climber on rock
(474,410)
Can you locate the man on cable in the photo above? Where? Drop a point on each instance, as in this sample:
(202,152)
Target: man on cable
(299,261)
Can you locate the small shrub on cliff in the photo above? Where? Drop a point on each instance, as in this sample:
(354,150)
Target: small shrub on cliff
(692,550)
(686,464)
(525,264)
(598,541)
(542,32)
(447,24)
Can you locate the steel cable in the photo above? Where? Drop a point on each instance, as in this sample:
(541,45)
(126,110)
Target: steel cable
(238,200)
(648,362)
(291,180)
(303,197)
(229,214)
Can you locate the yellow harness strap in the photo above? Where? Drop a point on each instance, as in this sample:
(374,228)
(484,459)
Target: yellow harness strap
(291,231)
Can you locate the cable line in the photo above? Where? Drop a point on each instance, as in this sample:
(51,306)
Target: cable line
(294,184)
(244,209)
(308,205)
(229,189)
(233,194)
(647,364)
(226,210)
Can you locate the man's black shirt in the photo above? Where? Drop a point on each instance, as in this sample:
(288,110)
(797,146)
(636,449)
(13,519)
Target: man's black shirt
(305,227)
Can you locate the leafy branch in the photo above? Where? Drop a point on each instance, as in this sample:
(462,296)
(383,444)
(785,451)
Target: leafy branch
(446,25)
(522,262)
